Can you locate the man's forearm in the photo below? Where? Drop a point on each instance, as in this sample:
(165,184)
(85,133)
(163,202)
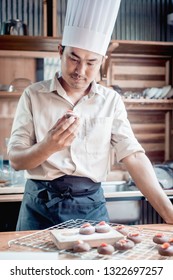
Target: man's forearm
(145,179)
(27,158)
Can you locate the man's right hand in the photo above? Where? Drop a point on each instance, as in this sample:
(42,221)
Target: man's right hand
(59,137)
(62,134)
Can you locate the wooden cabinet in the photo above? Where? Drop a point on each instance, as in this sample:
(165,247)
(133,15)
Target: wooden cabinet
(134,66)
(152,124)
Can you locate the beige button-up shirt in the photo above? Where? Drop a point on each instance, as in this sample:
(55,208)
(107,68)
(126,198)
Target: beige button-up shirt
(103,124)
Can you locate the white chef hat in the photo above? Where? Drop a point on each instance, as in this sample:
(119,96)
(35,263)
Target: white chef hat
(89,24)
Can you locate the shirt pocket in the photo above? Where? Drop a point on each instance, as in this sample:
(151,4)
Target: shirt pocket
(98,135)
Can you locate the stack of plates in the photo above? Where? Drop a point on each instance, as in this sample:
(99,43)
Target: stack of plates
(158,93)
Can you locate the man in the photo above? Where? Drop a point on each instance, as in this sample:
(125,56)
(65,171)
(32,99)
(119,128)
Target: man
(64,128)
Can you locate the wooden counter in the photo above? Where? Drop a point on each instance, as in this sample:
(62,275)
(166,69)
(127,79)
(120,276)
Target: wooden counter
(120,195)
(11,197)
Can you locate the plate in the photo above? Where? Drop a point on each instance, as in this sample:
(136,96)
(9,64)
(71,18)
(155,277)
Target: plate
(158,93)
(151,92)
(165,91)
(169,94)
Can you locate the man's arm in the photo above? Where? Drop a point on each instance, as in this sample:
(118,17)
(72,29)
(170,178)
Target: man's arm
(59,137)
(142,172)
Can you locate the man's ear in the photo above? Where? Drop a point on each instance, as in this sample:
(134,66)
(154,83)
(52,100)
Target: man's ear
(60,50)
(104,67)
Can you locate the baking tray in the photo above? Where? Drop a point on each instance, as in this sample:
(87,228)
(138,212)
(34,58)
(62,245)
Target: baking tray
(41,240)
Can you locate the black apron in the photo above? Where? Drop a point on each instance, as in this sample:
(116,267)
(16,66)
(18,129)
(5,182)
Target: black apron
(48,203)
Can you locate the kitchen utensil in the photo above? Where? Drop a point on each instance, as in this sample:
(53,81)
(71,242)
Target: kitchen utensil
(14,27)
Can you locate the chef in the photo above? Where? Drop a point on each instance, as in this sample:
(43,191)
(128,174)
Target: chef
(64,129)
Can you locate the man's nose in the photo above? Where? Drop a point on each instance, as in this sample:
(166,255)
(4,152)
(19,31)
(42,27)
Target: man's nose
(81,68)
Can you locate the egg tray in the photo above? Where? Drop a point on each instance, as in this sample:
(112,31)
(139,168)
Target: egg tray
(41,240)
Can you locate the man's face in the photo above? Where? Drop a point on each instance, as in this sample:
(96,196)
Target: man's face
(79,67)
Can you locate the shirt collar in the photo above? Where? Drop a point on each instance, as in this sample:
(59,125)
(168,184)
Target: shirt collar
(96,89)
(56,87)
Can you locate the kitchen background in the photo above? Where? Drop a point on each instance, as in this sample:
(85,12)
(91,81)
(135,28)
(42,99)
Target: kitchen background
(138,20)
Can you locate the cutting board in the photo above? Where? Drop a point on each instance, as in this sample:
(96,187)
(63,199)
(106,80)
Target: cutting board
(67,238)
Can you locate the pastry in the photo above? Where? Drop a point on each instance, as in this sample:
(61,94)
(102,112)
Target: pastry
(102,227)
(105,249)
(87,228)
(69,114)
(122,229)
(135,237)
(166,249)
(81,246)
(160,238)
(124,244)
(170,241)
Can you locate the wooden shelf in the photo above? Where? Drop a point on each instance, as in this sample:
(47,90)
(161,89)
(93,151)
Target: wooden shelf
(8,94)
(29,43)
(50,44)
(141,47)
(28,46)
(148,104)
(29,54)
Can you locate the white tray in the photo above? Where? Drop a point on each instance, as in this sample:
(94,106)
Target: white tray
(66,238)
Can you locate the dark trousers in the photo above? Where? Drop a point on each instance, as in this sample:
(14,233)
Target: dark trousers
(48,203)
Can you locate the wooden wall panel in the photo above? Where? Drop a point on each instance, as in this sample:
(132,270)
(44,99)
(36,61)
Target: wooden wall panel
(149,129)
(17,67)
(7,112)
(136,74)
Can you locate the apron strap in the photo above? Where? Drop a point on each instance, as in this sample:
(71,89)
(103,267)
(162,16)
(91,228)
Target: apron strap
(67,187)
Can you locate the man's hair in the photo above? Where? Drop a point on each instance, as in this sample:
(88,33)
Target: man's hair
(63,47)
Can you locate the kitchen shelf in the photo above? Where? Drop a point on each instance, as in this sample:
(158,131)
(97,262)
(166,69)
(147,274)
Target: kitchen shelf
(28,46)
(10,94)
(29,43)
(29,54)
(50,44)
(147,104)
(141,47)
